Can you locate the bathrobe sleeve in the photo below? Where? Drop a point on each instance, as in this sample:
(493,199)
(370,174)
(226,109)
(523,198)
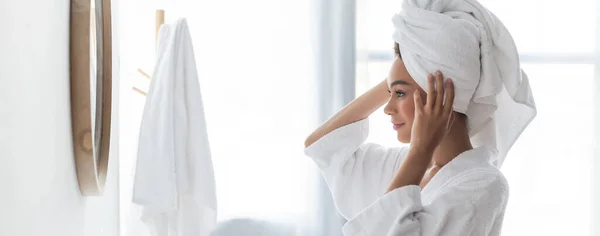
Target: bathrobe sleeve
(357,173)
(470,204)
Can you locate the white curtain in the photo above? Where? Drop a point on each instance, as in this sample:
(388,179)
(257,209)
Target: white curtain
(261,64)
(552,169)
(334,24)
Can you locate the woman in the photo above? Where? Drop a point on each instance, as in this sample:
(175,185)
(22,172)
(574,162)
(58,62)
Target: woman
(460,129)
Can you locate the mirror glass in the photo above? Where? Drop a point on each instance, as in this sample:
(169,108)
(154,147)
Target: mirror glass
(95,71)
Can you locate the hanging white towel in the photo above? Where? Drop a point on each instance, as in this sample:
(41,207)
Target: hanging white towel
(174,179)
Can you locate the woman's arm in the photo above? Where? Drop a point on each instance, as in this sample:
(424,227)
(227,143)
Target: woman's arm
(357,173)
(356,110)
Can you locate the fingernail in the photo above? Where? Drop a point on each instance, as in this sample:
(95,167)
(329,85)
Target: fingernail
(438,72)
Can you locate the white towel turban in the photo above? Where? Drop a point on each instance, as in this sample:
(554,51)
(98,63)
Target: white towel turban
(469,44)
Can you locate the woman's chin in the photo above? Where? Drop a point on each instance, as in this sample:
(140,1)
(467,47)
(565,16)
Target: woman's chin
(403,138)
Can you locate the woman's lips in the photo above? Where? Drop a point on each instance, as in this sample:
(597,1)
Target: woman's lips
(397,126)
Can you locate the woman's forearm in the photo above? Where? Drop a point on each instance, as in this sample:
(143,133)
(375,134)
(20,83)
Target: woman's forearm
(356,110)
(412,169)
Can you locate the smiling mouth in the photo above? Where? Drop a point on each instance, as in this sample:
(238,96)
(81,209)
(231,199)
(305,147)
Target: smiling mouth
(397,126)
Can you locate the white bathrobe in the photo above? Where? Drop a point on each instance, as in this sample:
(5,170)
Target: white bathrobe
(468,196)
(174,178)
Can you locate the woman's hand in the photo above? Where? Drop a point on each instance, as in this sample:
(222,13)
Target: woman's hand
(434,117)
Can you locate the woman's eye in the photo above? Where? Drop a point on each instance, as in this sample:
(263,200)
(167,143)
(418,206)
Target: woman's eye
(400,94)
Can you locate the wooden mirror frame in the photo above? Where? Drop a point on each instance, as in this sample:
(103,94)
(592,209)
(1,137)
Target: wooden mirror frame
(91,153)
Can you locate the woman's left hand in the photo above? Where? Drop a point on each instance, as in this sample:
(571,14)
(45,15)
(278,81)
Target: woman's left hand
(434,117)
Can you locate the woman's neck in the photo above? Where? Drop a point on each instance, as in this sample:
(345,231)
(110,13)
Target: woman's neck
(456,142)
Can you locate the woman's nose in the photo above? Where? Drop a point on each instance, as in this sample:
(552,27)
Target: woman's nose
(389,108)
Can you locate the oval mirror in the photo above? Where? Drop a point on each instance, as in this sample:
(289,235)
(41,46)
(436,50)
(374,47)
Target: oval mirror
(91,91)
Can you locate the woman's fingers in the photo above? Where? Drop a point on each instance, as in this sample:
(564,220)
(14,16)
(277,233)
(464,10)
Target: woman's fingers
(430,91)
(440,95)
(449,103)
(439,86)
(418,102)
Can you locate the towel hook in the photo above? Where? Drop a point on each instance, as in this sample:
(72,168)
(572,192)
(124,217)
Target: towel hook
(160,20)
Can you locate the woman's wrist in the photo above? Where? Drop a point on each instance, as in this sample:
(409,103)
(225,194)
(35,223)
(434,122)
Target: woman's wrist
(382,92)
(420,153)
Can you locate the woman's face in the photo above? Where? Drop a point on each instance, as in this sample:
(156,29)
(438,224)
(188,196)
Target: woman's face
(401,105)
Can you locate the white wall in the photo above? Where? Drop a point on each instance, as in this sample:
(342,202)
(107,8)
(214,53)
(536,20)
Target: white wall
(39,194)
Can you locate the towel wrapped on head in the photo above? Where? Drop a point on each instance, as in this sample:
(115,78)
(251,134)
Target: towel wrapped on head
(469,44)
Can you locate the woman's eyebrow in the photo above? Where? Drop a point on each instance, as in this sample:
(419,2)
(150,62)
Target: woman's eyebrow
(400,82)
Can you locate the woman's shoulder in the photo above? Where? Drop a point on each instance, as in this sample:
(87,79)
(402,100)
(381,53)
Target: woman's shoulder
(473,171)
(483,181)
(486,175)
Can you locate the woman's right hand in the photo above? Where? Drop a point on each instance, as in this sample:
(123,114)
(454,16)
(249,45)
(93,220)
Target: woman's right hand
(433,117)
